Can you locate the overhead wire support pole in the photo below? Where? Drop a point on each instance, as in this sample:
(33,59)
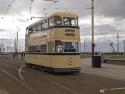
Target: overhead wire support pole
(93,43)
(31,8)
(84,46)
(124,47)
(17,43)
(118,42)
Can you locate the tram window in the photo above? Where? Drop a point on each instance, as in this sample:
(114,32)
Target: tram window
(68,21)
(37,48)
(57,21)
(34,29)
(59,46)
(43,48)
(32,49)
(70,47)
(30,30)
(27,31)
(51,22)
(26,48)
(45,24)
(38,27)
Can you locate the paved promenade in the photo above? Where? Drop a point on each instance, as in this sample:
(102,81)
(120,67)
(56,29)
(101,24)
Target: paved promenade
(108,70)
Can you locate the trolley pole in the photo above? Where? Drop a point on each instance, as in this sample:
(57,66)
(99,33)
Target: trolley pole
(93,44)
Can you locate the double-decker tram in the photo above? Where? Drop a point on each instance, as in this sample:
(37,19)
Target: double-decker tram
(52,43)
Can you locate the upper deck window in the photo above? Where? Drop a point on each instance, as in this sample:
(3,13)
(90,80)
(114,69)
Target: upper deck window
(34,28)
(68,21)
(38,27)
(63,21)
(27,30)
(57,21)
(30,30)
(45,24)
(51,22)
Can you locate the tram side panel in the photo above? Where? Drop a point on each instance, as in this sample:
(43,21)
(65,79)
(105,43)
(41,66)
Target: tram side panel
(41,60)
(65,63)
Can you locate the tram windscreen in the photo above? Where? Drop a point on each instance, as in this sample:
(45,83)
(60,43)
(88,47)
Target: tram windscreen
(70,47)
(57,21)
(68,21)
(65,47)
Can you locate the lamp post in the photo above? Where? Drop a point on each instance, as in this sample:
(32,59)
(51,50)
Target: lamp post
(93,44)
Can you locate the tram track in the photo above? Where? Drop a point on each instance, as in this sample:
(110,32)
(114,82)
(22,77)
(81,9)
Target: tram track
(38,82)
(50,82)
(20,82)
(19,70)
(15,74)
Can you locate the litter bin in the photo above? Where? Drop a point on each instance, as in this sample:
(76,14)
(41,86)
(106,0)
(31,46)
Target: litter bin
(96,62)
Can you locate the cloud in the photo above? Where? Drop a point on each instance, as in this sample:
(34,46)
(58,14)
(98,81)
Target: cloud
(109,17)
(5,30)
(105,30)
(110,8)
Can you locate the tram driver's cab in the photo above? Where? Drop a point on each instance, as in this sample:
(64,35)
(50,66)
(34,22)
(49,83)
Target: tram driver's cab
(66,47)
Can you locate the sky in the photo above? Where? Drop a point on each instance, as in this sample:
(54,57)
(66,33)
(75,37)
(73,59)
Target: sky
(109,18)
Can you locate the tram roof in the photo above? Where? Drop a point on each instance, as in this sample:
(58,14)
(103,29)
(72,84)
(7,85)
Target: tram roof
(64,14)
(61,14)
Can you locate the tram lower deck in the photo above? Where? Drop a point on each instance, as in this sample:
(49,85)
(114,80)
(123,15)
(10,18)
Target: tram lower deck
(55,62)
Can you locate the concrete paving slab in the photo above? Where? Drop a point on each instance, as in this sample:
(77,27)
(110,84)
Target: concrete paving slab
(108,70)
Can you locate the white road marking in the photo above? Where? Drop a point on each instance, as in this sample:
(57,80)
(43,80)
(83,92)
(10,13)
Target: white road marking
(11,66)
(19,72)
(111,89)
(23,84)
(102,91)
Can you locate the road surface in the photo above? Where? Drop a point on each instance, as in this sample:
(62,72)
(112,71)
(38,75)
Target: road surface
(15,78)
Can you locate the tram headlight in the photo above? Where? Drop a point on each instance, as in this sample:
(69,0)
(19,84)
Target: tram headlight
(70,63)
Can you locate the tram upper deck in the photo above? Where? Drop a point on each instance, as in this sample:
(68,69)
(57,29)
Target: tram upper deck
(58,26)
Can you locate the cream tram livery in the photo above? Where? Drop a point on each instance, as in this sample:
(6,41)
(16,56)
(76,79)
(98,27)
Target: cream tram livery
(52,44)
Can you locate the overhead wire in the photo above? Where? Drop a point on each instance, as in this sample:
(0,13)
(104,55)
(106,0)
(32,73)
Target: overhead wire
(39,14)
(55,1)
(11,3)
(9,6)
